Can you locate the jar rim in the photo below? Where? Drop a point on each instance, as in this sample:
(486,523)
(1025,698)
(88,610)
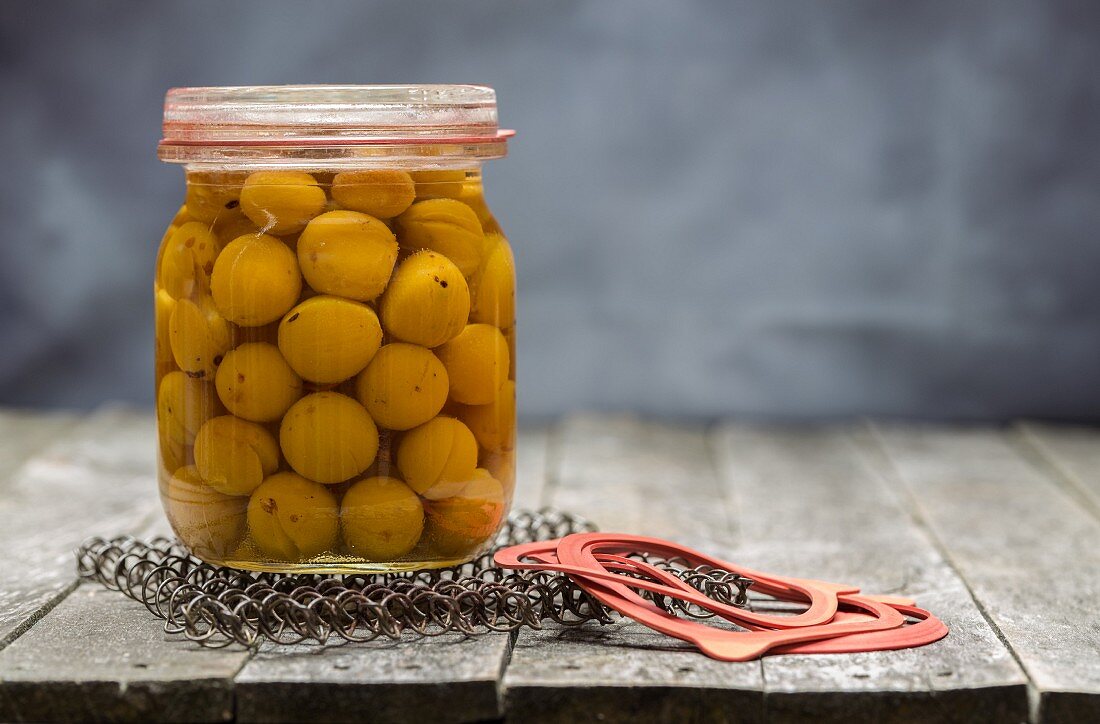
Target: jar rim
(400,119)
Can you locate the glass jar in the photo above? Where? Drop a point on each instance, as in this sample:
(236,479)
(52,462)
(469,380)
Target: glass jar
(335,328)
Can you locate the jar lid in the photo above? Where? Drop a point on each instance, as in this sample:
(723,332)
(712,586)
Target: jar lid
(332,117)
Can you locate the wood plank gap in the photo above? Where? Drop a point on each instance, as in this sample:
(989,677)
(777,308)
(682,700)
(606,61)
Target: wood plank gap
(92,653)
(1027,551)
(816,506)
(730,490)
(99,473)
(47,604)
(23,433)
(101,656)
(553,464)
(920,519)
(731,503)
(532,448)
(632,475)
(1040,444)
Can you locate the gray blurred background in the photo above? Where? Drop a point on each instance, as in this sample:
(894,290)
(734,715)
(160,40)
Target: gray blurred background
(776,209)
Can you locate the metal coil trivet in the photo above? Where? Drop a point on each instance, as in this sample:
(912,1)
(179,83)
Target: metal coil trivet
(217,606)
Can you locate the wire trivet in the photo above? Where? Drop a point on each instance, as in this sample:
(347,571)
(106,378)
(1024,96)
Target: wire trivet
(217,606)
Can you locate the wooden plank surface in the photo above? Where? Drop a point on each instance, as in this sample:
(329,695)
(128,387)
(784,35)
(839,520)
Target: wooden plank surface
(96,654)
(1009,512)
(1029,552)
(635,476)
(96,478)
(1073,453)
(450,678)
(638,477)
(100,656)
(812,504)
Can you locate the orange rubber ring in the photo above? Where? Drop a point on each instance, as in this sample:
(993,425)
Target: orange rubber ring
(878,623)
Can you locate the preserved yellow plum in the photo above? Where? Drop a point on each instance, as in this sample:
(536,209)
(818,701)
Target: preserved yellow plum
(231,226)
(281,202)
(233,456)
(171,455)
(256,383)
(460,524)
(255,280)
(493,285)
(438,458)
(446,226)
(165,360)
(427,302)
(382,193)
(473,196)
(199,337)
(329,339)
(439,183)
(477,364)
(187,260)
(209,523)
(381,518)
(183,404)
(181,217)
(211,196)
(493,424)
(347,254)
(292,519)
(328,437)
(405,385)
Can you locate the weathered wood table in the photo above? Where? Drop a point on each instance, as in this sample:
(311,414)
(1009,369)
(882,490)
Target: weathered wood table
(995,530)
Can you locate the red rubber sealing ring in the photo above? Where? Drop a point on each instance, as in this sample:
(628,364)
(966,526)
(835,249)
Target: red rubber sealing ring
(727,645)
(596,560)
(823,601)
(928,629)
(768,583)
